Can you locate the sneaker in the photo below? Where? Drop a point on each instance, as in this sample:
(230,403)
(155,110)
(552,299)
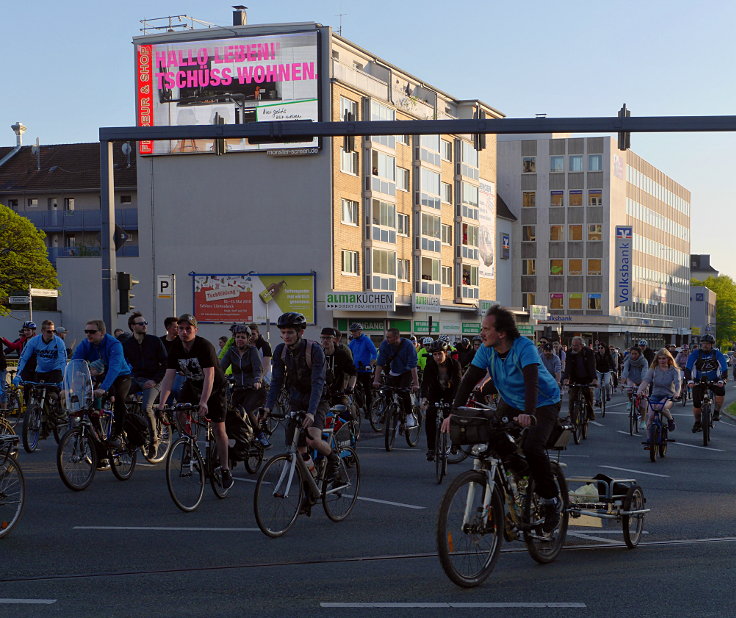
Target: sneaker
(716,415)
(642,425)
(430,455)
(697,427)
(227,479)
(411,421)
(551,512)
(671,424)
(103,464)
(333,465)
(263,440)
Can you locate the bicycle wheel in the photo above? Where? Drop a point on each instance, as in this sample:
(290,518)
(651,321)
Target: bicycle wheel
(684,394)
(376,416)
(254,460)
(438,473)
(12,495)
(705,422)
(633,420)
(654,437)
(604,396)
(633,525)
(412,434)
(584,424)
(391,424)
(164,442)
(663,442)
(123,459)
(278,495)
(76,459)
(185,475)
(340,498)
(213,471)
(469,532)
(542,547)
(7,429)
(575,421)
(31,429)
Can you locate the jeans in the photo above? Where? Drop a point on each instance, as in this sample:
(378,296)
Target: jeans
(149,396)
(176,389)
(604,379)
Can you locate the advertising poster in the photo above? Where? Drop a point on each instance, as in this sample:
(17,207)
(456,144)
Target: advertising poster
(231,81)
(253,297)
(487,232)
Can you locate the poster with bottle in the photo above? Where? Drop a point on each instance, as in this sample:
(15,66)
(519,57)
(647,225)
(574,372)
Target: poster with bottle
(252,297)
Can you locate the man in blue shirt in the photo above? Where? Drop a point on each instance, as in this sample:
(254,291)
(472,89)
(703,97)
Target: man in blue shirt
(364,355)
(399,356)
(50,355)
(710,364)
(527,391)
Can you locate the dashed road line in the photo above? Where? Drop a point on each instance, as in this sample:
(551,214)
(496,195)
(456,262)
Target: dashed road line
(664,476)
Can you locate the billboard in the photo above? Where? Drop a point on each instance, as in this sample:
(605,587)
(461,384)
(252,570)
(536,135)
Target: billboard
(252,297)
(232,81)
(624,262)
(487,232)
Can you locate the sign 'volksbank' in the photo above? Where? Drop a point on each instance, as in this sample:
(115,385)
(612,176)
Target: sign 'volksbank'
(624,261)
(360,301)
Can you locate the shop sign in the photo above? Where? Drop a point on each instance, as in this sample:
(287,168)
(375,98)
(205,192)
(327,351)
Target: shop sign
(360,301)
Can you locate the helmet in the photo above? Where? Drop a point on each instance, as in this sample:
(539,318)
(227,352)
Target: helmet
(293,320)
(707,339)
(478,338)
(427,341)
(466,341)
(445,338)
(356,326)
(643,342)
(438,346)
(28,324)
(240,328)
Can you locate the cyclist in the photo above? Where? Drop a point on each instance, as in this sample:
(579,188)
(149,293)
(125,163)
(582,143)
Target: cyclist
(264,350)
(646,351)
(26,331)
(340,373)
(451,350)
(399,357)
(711,364)
(440,383)
(195,358)
(551,361)
(107,352)
(665,381)
(423,355)
(465,352)
(560,353)
(244,361)
(682,356)
(635,368)
(580,370)
(172,334)
(604,366)
(304,377)
(527,391)
(616,364)
(364,356)
(49,352)
(147,356)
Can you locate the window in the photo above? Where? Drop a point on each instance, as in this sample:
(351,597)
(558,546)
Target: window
(528,267)
(595,198)
(557,164)
(446,150)
(595,163)
(556,232)
(594,301)
(348,113)
(528,165)
(32,202)
(402,224)
(556,301)
(431,226)
(470,235)
(594,267)
(556,198)
(349,162)
(556,267)
(575,198)
(576,163)
(383,165)
(529,233)
(576,232)
(13,204)
(69,204)
(402,270)
(384,262)
(470,194)
(126,199)
(403,139)
(575,301)
(350,262)
(380,112)
(402,179)
(447,276)
(383,220)
(528,299)
(430,188)
(431,269)
(446,189)
(470,275)
(349,212)
(528,199)
(446,234)
(595,231)
(470,156)
(429,149)
(574,267)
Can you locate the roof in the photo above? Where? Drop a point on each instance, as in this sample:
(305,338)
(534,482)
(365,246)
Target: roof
(502,209)
(64,167)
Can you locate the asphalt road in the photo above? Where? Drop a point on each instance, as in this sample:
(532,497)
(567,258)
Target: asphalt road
(121,549)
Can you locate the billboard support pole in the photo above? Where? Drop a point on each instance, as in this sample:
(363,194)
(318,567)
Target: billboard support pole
(107,207)
(173,293)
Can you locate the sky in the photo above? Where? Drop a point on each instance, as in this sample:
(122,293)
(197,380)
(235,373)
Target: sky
(69,69)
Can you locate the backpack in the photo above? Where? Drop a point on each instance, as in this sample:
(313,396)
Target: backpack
(238,428)
(307,353)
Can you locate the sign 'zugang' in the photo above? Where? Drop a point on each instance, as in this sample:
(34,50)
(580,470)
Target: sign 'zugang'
(624,253)
(360,301)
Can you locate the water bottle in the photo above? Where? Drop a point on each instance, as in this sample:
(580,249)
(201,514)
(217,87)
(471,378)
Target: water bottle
(310,464)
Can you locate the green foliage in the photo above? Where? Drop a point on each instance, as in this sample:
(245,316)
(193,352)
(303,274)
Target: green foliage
(725,290)
(23,257)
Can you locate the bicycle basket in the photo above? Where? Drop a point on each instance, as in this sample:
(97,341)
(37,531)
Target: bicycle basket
(465,430)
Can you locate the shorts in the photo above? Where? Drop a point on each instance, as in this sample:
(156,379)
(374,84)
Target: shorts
(699,391)
(216,404)
(319,422)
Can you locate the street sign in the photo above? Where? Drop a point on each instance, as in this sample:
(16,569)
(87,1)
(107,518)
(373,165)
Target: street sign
(44,293)
(19,300)
(525,329)
(164,286)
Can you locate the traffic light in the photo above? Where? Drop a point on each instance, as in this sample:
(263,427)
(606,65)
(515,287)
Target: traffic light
(624,137)
(125,284)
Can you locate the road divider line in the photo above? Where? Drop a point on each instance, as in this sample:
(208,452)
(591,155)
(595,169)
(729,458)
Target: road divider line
(705,448)
(664,476)
(591,537)
(406,506)
(381,448)
(166,528)
(27,601)
(459,605)
(596,423)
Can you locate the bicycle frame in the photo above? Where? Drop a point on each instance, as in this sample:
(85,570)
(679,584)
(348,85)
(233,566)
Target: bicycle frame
(283,485)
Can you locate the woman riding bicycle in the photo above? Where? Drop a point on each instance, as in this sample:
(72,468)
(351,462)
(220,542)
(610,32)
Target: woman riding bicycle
(635,368)
(666,381)
(604,365)
(441,378)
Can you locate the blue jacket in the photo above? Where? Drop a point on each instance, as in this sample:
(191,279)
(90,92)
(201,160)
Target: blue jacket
(364,351)
(711,365)
(49,356)
(110,352)
(403,361)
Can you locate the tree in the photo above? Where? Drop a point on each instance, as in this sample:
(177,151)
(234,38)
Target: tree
(725,290)
(23,258)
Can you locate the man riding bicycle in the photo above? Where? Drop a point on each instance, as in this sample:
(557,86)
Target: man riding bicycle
(399,356)
(364,356)
(340,372)
(580,370)
(712,365)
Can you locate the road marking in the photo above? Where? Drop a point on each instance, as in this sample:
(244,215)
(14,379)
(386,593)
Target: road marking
(596,423)
(452,605)
(240,478)
(607,531)
(28,601)
(705,448)
(664,476)
(590,537)
(406,506)
(380,448)
(167,528)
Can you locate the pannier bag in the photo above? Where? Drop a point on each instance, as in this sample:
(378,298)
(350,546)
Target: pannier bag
(466,430)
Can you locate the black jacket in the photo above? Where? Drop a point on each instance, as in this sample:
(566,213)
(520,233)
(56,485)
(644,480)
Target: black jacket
(431,388)
(148,359)
(580,367)
(604,362)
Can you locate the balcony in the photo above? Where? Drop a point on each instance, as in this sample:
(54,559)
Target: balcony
(428,287)
(80,220)
(468,292)
(88,251)
(360,79)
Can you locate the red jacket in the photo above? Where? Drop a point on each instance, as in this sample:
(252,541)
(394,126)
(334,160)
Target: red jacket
(16,345)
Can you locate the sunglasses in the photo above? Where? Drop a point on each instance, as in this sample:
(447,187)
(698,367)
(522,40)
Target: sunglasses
(90,332)
(143,323)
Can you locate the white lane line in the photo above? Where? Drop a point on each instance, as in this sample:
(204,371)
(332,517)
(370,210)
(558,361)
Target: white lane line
(592,537)
(705,448)
(28,601)
(664,476)
(596,423)
(453,605)
(166,528)
(607,531)
(406,506)
(240,478)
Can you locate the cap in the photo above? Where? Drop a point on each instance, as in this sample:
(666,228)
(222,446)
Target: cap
(187,317)
(330,332)
(60,329)
(547,347)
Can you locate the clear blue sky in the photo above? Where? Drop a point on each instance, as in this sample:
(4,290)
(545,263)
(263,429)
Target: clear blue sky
(69,69)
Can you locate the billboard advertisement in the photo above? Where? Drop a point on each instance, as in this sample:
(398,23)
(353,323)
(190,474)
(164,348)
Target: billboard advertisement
(252,297)
(624,262)
(231,81)
(487,232)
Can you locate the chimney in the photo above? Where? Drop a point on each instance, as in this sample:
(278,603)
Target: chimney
(19,129)
(240,15)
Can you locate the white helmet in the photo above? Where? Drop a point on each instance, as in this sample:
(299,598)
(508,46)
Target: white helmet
(427,341)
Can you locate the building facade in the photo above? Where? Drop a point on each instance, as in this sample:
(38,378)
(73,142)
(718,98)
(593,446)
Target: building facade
(702,312)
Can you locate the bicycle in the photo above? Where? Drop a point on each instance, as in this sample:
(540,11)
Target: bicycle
(12,485)
(579,413)
(163,428)
(286,486)
(487,504)
(706,413)
(14,395)
(393,418)
(375,418)
(441,448)
(633,410)
(43,414)
(658,432)
(246,448)
(604,391)
(685,391)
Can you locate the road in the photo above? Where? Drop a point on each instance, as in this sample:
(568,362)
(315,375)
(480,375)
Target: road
(121,549)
